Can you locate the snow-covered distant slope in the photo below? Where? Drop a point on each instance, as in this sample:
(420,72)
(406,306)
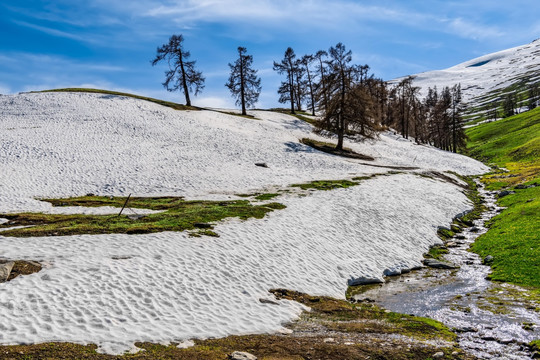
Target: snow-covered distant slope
(486,73)
(117,289)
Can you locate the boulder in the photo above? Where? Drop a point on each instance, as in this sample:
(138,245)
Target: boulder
(436,264)
(392,271)
(5,270)
(268,301)
(505,193)
(363,280)
(488,260)
(239,355)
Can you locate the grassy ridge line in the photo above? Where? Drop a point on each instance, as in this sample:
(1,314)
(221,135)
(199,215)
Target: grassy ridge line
(513,238)
(170,104)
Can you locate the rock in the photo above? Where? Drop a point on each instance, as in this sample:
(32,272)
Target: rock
(329,340)
(452,244)
(364,281)
(203,225)
(438,355)
(488,338)
(268,301)
(521,186)
(5,270)
(475,229)
(462,214)
(505,193)
(488,260)
(239,355)
(392,271)
(438,264)
(261,164)
(90,194)
(465,329)
(135,216)
(460,237)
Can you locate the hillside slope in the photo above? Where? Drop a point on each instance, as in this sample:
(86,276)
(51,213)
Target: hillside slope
(487,73)
(514,236)
(116,289)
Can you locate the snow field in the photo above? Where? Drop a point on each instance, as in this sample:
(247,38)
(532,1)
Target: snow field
(170,287)
(114,290)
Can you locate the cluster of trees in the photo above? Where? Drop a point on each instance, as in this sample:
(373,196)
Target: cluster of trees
(353,101)
(349,99)
(527,96)
(436,119)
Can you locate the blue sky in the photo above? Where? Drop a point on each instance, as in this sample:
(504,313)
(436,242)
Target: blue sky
(109,43)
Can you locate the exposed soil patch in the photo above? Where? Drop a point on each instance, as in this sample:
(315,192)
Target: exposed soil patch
(22,267)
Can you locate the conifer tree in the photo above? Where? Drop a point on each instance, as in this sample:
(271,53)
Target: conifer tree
(287,66)
(243,82)
(181,74)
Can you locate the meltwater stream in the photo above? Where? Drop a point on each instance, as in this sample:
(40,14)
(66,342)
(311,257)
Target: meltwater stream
(493,320)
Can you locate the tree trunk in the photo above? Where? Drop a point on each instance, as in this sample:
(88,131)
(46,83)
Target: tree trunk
(242,93)
(341,118)
(291,90)
(325,95)
(311,92)
(184,82)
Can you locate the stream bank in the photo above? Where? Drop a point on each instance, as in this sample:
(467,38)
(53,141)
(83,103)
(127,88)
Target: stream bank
(492,320)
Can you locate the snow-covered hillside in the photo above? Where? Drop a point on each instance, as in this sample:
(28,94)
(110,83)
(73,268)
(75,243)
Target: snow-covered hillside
(486,73)
(114,290)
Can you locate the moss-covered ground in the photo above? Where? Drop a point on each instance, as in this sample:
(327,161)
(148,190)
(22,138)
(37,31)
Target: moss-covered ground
(513,238)
(177,215)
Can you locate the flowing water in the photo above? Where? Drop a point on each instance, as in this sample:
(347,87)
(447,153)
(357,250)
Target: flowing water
(493,320)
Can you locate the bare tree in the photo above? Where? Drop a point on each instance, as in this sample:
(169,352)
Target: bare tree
(243,82)
(181,74)
(306,61)
(321,87)
(287,67)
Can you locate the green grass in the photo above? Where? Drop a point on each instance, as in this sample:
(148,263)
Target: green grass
(514,235)
(267,196)
(326,184)
(170,104)
(177,215)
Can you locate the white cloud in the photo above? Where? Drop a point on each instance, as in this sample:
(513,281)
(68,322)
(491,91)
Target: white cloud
(53,32)
(475,31)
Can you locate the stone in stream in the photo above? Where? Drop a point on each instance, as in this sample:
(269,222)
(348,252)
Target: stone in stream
(505,193)
(239,355)
(488,260)
(438,264)
(363,280)
(5,270)
(392,271)
(438,355)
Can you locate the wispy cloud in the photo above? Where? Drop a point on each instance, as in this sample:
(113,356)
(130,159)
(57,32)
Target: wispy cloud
(53,32)
(475,31)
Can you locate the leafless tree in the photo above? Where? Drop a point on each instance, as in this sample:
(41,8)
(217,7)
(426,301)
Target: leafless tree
(181,74)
